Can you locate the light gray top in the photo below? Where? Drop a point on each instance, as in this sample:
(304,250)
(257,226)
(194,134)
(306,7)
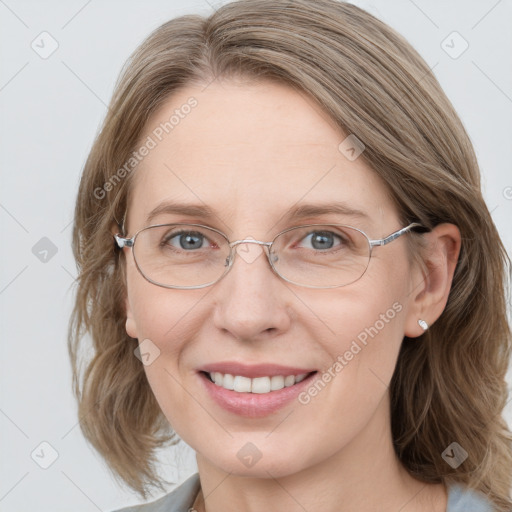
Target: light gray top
(181,499)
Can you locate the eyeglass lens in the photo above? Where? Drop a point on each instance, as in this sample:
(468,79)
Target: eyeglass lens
(189,255)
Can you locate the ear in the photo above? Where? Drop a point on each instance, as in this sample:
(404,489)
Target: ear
(432,284)
(131,326)
(115,229)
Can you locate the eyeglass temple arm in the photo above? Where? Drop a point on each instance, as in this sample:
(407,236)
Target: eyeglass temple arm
(400,232)
(128,242)
(123,242)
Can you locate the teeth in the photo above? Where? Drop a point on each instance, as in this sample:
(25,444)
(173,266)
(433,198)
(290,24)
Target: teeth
(260,385)
(289,380)
(241,384)
(276,382)
(228,382)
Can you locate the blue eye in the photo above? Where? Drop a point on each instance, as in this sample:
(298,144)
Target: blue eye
(186,240)
(323,240)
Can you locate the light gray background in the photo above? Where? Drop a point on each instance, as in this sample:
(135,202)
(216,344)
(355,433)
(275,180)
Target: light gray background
(50,112)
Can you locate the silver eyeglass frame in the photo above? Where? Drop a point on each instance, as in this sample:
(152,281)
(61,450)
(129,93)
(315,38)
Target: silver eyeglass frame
(123,242)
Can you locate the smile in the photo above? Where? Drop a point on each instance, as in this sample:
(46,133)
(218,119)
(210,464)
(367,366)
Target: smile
(260,385)
(258,395)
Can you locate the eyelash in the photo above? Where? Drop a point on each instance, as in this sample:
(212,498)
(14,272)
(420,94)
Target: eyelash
(177,234)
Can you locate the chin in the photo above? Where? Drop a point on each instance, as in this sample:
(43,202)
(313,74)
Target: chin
(251,461)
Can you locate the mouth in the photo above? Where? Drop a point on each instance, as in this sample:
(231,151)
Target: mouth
(257,385)
(256,396)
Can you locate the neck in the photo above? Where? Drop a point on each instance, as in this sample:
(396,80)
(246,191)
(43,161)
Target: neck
(364,476)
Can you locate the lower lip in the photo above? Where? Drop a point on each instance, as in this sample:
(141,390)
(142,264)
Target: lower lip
(254,405)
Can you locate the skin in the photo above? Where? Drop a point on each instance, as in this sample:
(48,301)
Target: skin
(250,152)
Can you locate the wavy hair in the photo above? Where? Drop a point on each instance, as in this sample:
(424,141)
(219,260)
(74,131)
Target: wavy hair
(448,385)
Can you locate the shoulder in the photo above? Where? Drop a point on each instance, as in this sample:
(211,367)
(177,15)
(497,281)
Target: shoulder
(463,499)
(460,499)
(178,500)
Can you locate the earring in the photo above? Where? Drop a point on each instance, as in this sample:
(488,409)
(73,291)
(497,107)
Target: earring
(423,324)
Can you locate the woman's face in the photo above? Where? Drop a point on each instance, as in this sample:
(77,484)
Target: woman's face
(250,153)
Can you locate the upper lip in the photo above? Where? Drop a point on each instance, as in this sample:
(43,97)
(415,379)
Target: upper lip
(254,370)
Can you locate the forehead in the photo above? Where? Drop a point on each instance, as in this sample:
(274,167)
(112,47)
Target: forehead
(250,152)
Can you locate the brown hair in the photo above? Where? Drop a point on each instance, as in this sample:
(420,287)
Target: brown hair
(450,384)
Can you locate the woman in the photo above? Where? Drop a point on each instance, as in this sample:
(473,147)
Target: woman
(286,261)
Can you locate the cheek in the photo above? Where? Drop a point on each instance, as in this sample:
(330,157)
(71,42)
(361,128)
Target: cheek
(158,313)
(363,328)
(168,325)
(165,321)
(359,361)
(363,321)
(373,328)
(169,318)
(363,355)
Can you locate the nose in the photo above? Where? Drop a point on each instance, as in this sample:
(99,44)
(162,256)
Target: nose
(251,301)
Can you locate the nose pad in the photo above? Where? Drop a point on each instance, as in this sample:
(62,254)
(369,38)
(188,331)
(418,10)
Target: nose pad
(249,252)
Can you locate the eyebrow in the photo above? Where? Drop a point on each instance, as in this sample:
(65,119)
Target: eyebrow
(296,212)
